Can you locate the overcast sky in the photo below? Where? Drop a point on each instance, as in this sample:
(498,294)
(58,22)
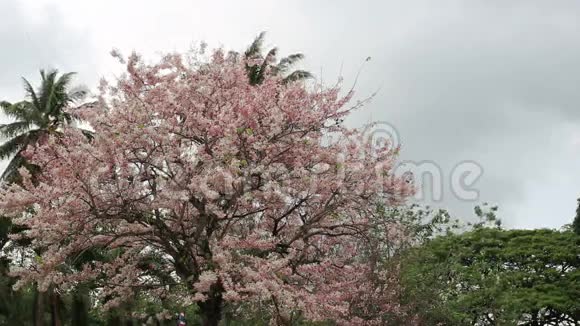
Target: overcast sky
(466,80)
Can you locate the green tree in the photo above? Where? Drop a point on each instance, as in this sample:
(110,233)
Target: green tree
(576,222)
(259,64)
(491,276)
(42,112)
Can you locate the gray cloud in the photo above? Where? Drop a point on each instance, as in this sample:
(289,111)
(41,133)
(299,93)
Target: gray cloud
(481,80)
(38,40)
(490,81)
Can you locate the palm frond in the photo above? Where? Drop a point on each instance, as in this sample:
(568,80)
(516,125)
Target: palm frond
(31,93)
(12,146)
(61,84)
(14,110)
(5,104)
(67,117)
(13,129)
(286,62)
(46,88)
(233,56)
(260,73)
(78,93)
(271,56)
(34,115)
(10,173)
(255,49)
(58,95)
(256,73)
(23,111)
(297,75)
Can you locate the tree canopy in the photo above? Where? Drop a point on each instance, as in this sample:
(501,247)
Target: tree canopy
(491,276)
(41,113)
(228,190)
(223,188)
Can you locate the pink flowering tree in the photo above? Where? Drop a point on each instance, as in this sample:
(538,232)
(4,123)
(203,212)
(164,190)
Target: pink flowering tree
(208,190)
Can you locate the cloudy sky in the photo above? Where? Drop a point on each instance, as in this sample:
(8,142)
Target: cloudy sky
(481,81)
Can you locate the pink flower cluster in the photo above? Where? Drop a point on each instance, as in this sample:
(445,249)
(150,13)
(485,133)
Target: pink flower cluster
(230,191)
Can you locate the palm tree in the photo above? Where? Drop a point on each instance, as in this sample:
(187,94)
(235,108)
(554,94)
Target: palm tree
(270,63)
(41,113)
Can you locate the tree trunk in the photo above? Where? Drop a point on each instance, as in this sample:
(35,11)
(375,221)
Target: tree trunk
(80,306)
(38,309)
(211,309)
(55,308)
(114,320)
(535,321)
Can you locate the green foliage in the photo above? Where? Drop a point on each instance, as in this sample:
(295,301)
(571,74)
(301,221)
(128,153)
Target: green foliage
(42,112)
(269,63)
(576,222)
(492,276)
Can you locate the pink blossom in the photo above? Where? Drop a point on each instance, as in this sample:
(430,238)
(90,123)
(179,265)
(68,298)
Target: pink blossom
(231,187)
